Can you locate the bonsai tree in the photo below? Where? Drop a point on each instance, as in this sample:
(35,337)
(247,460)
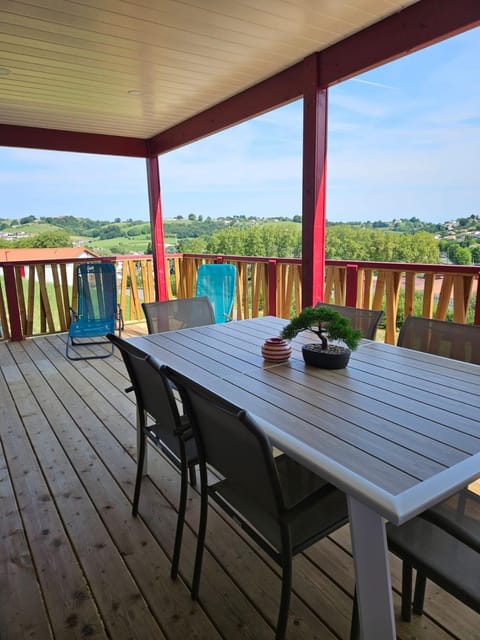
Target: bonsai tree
(326,323)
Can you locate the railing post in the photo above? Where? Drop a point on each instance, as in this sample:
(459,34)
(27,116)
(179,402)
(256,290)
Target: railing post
(16,332)
(272,287)
(351,287)
(476,318)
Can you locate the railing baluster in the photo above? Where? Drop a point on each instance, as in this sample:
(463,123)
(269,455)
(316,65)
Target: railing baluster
(265,286)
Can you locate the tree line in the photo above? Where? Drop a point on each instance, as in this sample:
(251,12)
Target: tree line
(344,242)
(239,235)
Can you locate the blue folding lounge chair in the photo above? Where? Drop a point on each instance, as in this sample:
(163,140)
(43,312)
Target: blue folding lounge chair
(97,313)
(217,281)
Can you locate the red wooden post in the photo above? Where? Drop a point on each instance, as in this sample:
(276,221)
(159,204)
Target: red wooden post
(272,287)
(16,332)
(156,222)
(314,179)
(351,285)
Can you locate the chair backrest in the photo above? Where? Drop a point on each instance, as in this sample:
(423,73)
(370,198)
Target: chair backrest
(230,441)
(460,516)
(218,281)
(365,320)
(152,390)
(449,339)
(97,293)
(168,315)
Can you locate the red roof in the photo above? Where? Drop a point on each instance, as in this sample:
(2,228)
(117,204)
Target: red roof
(46,255)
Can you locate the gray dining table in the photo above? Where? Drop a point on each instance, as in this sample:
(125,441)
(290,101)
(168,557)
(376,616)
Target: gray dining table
(397,430)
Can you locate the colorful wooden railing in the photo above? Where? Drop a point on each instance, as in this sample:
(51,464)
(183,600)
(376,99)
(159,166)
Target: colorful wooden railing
(35,298)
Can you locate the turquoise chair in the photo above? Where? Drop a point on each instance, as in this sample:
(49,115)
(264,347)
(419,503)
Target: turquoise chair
(97,314)
(218,281)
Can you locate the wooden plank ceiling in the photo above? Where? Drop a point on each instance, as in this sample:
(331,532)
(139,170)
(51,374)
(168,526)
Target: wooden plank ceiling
(136,68)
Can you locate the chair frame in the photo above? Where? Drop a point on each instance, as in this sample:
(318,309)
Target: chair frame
(179,309)
(416,327)
(287,549)
(184,462)
(356,316)
(202,290)
(431,330)
(104,325)
(436,525)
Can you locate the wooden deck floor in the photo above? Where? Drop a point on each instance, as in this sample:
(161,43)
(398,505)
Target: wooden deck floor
(75,564)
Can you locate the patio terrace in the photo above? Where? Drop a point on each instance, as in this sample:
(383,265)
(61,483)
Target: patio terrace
(76,564)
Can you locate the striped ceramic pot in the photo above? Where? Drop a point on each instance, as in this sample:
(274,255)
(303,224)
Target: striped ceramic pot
(276,350)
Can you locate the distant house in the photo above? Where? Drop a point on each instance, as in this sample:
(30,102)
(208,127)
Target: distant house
(47,255)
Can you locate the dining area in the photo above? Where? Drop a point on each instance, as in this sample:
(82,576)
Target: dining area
(396,431)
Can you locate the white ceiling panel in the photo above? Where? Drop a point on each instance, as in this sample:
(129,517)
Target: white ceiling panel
(70,64)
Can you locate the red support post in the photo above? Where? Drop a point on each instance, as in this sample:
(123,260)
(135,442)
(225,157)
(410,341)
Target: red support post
(156,223)
(314,184)
(16,332)
(351,285)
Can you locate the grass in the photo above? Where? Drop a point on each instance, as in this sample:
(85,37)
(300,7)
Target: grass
(33,228)
(137,244)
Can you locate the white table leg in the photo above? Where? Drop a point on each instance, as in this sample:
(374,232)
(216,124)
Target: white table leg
(372,572)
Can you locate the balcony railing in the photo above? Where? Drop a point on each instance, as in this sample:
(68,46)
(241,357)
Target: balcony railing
(36,297)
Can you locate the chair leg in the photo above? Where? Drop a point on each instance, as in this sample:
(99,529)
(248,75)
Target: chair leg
(419,596)
(138,480)
(193,475)
(285,597)
(182,507)
(355,625)
(407,575)
(202,529)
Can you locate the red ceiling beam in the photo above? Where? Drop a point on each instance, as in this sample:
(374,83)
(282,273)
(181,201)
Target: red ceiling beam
(55,140)
(273,92)
(413,28)
(416,27)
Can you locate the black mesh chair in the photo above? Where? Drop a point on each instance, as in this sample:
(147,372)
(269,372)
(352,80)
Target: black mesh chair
(365,320)
(160,421)
(443,543)
(169,315)
(449,339)
(283,506)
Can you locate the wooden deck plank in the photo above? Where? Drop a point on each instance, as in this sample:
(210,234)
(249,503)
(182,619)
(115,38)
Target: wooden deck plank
(90,448)
(23,612)
(68,434)
(66,593)
(101,562)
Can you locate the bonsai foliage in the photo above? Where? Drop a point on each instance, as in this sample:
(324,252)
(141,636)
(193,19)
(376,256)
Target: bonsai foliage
(326,323)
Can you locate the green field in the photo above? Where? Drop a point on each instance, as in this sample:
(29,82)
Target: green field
(33,228)
(137,244)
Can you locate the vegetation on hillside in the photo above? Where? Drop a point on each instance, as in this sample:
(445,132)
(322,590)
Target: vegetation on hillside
(405,240)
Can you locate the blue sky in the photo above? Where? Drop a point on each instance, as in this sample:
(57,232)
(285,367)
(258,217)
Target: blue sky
(404,140)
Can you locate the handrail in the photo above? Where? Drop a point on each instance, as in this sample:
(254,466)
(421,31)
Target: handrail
(35,296)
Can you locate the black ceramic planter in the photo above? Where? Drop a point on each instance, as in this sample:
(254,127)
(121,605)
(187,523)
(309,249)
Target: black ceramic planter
(332,358)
